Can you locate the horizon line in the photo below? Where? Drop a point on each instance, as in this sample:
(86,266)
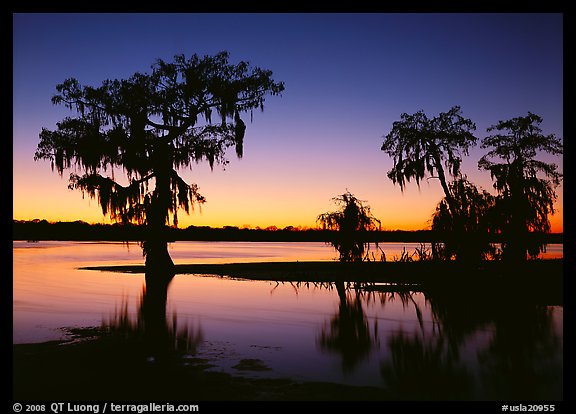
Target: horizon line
(224,227)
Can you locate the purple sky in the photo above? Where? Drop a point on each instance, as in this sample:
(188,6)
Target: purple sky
(347,78)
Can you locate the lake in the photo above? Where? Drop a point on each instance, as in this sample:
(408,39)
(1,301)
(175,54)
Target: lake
(304,331)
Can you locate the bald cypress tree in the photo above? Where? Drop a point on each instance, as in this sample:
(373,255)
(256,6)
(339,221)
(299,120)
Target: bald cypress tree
(525,184)
(421,146)
(146,129)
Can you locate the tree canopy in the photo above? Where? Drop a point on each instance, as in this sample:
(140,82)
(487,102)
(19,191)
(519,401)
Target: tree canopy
(419,145)
(151,125)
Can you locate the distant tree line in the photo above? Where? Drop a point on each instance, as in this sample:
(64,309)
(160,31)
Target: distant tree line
(36,230)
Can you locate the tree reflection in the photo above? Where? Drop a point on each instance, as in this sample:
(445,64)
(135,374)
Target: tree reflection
(348,332)
(524,359)
(460,313)
(421,364)
(154,334)
(482,343)
(424,368)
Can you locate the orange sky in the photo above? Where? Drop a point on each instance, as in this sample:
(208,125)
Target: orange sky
(236,200)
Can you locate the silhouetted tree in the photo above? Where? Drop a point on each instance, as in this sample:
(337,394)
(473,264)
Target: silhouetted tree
(349,225)
(526,200)
(148,127)
(468,237)
(419,146)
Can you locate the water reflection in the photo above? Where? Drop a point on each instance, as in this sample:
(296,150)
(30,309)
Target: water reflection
(469,341)
(485,344)
(348,332)
(153,333)
(424,368)
(523,360)
(481,345)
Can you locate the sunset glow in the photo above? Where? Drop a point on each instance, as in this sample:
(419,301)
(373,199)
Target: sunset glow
(348,78)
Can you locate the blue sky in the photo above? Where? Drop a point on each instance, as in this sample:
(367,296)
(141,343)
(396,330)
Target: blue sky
(347,77)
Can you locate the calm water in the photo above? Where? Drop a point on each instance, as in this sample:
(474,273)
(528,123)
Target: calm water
(301,331)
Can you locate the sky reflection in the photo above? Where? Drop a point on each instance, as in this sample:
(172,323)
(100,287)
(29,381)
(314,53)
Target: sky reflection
(323,332)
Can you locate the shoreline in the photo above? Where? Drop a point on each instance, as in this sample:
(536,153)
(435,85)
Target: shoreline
(413,272)
(105,368)
(539,281)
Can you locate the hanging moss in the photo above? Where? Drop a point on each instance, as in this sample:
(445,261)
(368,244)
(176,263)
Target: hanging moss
(150,126)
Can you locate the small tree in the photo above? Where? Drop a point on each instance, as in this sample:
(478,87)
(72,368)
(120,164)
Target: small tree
(526,186)
(469,241)
(349,225)
(149,126)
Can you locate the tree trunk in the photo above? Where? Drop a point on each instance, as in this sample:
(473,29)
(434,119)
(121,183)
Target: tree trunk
(159,267)
(442,177)
(159,264)
(158,261)
(458,234)
(159,274)
(517,238)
